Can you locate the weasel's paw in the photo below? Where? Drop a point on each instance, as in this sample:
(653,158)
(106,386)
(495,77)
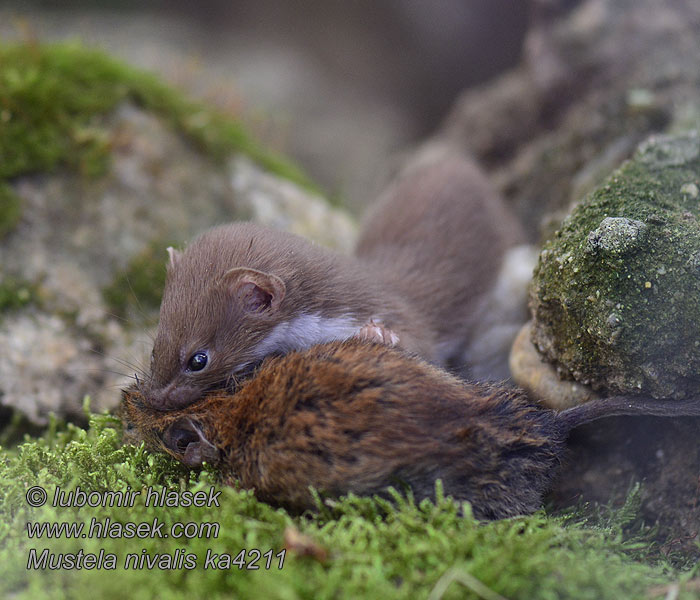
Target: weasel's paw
(377,332)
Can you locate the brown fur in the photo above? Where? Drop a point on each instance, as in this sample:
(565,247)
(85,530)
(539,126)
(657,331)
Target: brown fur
(439,235)
(205,304)
(428,254)
(358,417)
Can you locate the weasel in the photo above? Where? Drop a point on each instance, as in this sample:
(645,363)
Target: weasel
(241,292)
(445,240)
(358,417)
(425,259)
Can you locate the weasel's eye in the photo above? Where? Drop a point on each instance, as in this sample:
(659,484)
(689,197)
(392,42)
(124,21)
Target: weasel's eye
(197,361)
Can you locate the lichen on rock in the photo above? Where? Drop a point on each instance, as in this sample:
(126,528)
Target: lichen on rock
(617,235)
(616,292)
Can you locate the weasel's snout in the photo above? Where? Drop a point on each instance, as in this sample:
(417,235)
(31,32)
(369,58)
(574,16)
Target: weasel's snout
(173,396)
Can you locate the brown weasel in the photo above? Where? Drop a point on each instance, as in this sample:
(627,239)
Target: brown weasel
(441,237)
(241,292)
(358,417)
(426,259)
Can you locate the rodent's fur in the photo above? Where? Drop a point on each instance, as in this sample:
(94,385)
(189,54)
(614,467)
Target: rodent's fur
(358,417)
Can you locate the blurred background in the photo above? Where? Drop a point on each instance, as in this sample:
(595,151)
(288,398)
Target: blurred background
(340,87)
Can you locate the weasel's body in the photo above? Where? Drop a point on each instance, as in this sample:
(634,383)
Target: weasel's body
(426,258)
(359,417)
(439,236)
(241,292)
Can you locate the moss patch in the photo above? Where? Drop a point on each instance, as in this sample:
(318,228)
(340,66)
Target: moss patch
(15,293)
(52,102)
(616,293)
(375,549)
(50,96)
(137,289)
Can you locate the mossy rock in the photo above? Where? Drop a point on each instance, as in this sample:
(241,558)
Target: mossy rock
(15,293)
(51,94)
(138,288)
(10,209)
(616,292)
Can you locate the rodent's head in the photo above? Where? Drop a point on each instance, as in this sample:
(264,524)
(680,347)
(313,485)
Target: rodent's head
(210,323)
(183,436)
(185,440)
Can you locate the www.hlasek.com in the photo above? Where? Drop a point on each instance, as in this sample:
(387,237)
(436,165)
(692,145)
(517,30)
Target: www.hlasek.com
(107,528)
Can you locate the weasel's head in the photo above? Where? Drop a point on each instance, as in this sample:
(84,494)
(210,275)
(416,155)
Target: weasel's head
(210,324)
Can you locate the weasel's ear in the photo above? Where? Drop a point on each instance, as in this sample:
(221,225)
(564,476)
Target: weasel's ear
(258,292)
(173,257)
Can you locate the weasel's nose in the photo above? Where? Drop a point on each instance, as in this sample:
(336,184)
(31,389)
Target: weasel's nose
(173,396)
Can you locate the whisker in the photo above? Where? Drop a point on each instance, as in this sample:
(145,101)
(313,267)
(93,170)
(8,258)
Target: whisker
(114,386)
(139,307)
(100,371)
(130,365)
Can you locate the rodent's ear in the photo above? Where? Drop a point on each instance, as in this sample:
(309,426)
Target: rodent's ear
(173,257)
(184,438)
(258,292)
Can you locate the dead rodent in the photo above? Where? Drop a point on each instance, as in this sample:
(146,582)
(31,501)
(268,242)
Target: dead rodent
(425,261)
(357,417)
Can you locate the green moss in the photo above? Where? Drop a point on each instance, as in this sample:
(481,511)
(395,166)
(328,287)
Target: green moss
(616,293)
(376,549)
(15,293)
(51,98)
(138,288)
(10,209)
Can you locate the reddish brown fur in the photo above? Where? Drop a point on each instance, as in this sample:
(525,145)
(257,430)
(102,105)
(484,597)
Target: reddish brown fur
(358,417)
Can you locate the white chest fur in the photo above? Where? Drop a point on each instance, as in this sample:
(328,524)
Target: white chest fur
(304,331)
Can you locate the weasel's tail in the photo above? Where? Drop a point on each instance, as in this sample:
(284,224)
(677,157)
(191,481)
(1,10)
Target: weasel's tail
(627,405)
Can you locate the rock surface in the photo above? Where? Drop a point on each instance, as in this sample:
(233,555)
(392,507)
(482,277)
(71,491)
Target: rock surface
(616,293)
(596,81)
(338,87)
(77,234)
(540,379)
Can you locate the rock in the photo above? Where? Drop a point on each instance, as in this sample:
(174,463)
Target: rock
(540,378)
(617,235)
(594,82)
(45,363)
(660,152)
(270,201)
(79,237)
(616,293)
